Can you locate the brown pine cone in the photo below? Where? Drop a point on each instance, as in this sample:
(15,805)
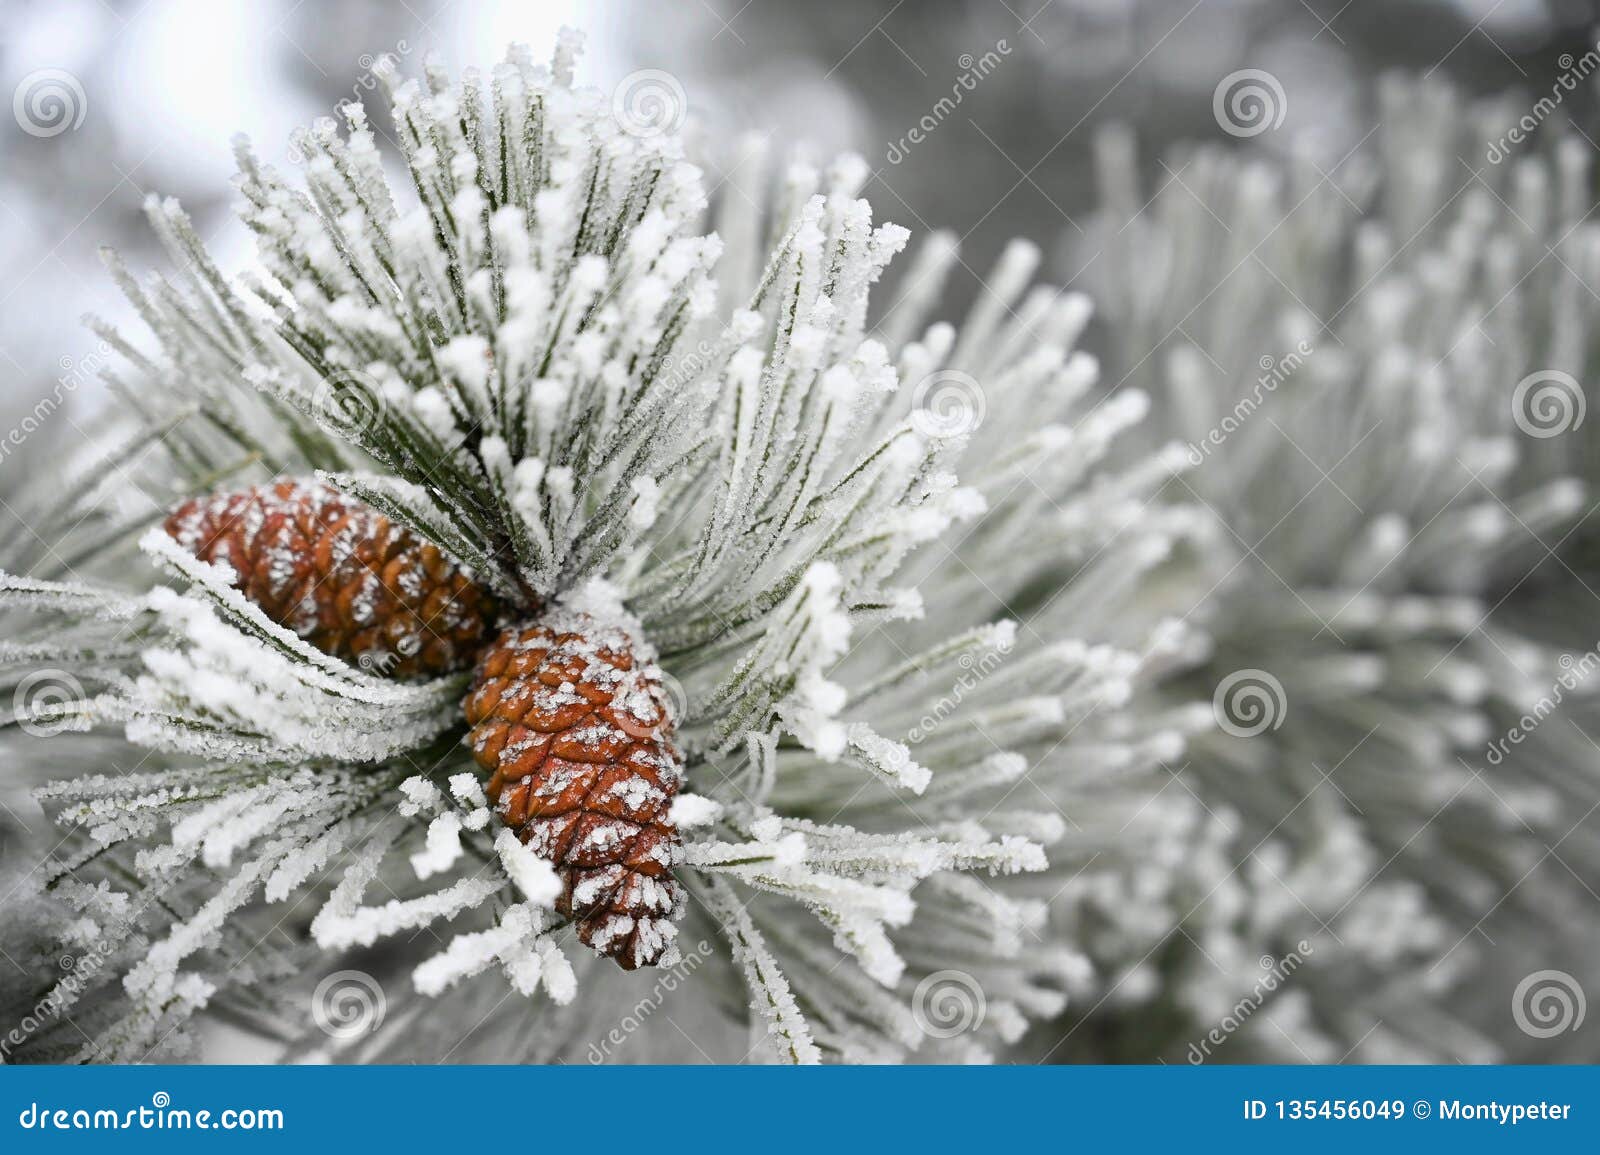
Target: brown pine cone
(570,718)
(342,576)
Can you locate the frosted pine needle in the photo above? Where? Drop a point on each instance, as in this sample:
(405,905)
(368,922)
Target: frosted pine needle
(1376,368)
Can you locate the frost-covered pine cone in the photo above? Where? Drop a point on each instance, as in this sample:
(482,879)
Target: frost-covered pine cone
(570,718)
(342,576)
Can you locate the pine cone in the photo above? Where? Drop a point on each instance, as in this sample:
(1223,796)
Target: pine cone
(342,576)
(570,718)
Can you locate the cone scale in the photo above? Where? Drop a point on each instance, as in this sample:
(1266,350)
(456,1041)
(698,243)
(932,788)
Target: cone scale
(342,576)
(570,718)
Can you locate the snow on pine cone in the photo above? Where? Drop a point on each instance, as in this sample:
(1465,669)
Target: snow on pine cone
(342,576)
(570,717)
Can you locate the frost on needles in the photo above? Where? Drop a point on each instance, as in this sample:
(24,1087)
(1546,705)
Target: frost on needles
(531,355)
